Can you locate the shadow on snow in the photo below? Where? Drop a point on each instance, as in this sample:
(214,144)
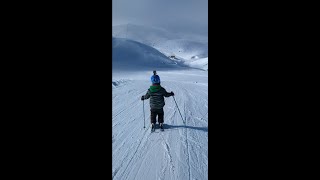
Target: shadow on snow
(168,126)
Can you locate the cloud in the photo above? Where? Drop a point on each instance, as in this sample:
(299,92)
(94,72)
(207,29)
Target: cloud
(174,15)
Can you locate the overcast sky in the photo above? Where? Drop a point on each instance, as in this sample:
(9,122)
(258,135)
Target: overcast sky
(173,15)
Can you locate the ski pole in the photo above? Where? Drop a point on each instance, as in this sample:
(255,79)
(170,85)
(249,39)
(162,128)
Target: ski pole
(178,110)
(143,115)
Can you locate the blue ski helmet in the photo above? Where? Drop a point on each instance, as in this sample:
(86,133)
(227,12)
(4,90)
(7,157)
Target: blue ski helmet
(155,79)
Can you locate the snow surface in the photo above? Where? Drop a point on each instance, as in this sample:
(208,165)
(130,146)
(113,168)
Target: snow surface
(181,150)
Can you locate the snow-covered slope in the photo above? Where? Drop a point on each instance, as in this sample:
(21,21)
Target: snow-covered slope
(180,152)
(185,47)
(129,54)
(201,63)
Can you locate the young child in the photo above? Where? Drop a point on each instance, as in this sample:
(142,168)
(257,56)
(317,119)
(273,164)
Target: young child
(156,93)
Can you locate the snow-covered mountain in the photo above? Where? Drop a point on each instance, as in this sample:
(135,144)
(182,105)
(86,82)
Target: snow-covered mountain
(185,47)
(200,63)
(128,54)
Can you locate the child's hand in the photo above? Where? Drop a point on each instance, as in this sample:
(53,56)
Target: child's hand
(142,98)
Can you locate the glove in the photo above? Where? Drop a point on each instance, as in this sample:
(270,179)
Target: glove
(142,98)
(172,94)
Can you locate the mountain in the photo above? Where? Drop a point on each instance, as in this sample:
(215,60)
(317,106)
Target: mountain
(186,48)
(129,55)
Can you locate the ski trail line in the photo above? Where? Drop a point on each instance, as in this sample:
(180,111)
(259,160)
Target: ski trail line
(187,142)
(167,148)
(143,137)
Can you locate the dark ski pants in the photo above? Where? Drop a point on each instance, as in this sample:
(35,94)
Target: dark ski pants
(154,113)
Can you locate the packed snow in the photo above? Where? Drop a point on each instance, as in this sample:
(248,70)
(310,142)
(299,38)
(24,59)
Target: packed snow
(180,152)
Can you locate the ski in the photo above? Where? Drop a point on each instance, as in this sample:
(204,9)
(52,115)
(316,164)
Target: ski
(157,126)
(161,128)
(153,128)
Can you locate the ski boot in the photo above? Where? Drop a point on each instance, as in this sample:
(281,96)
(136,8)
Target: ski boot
(161,127)
(152,127)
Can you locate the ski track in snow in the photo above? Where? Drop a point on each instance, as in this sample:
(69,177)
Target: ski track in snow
(181,151)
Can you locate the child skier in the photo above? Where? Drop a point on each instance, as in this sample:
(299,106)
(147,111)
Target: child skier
(156,94)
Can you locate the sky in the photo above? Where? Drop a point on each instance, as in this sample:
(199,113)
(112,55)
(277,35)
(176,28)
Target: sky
(188,16)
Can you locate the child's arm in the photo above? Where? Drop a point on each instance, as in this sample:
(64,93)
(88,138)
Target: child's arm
(147,96)
(167,94)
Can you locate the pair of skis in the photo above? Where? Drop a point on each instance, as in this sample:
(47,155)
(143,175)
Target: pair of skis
(156,126)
